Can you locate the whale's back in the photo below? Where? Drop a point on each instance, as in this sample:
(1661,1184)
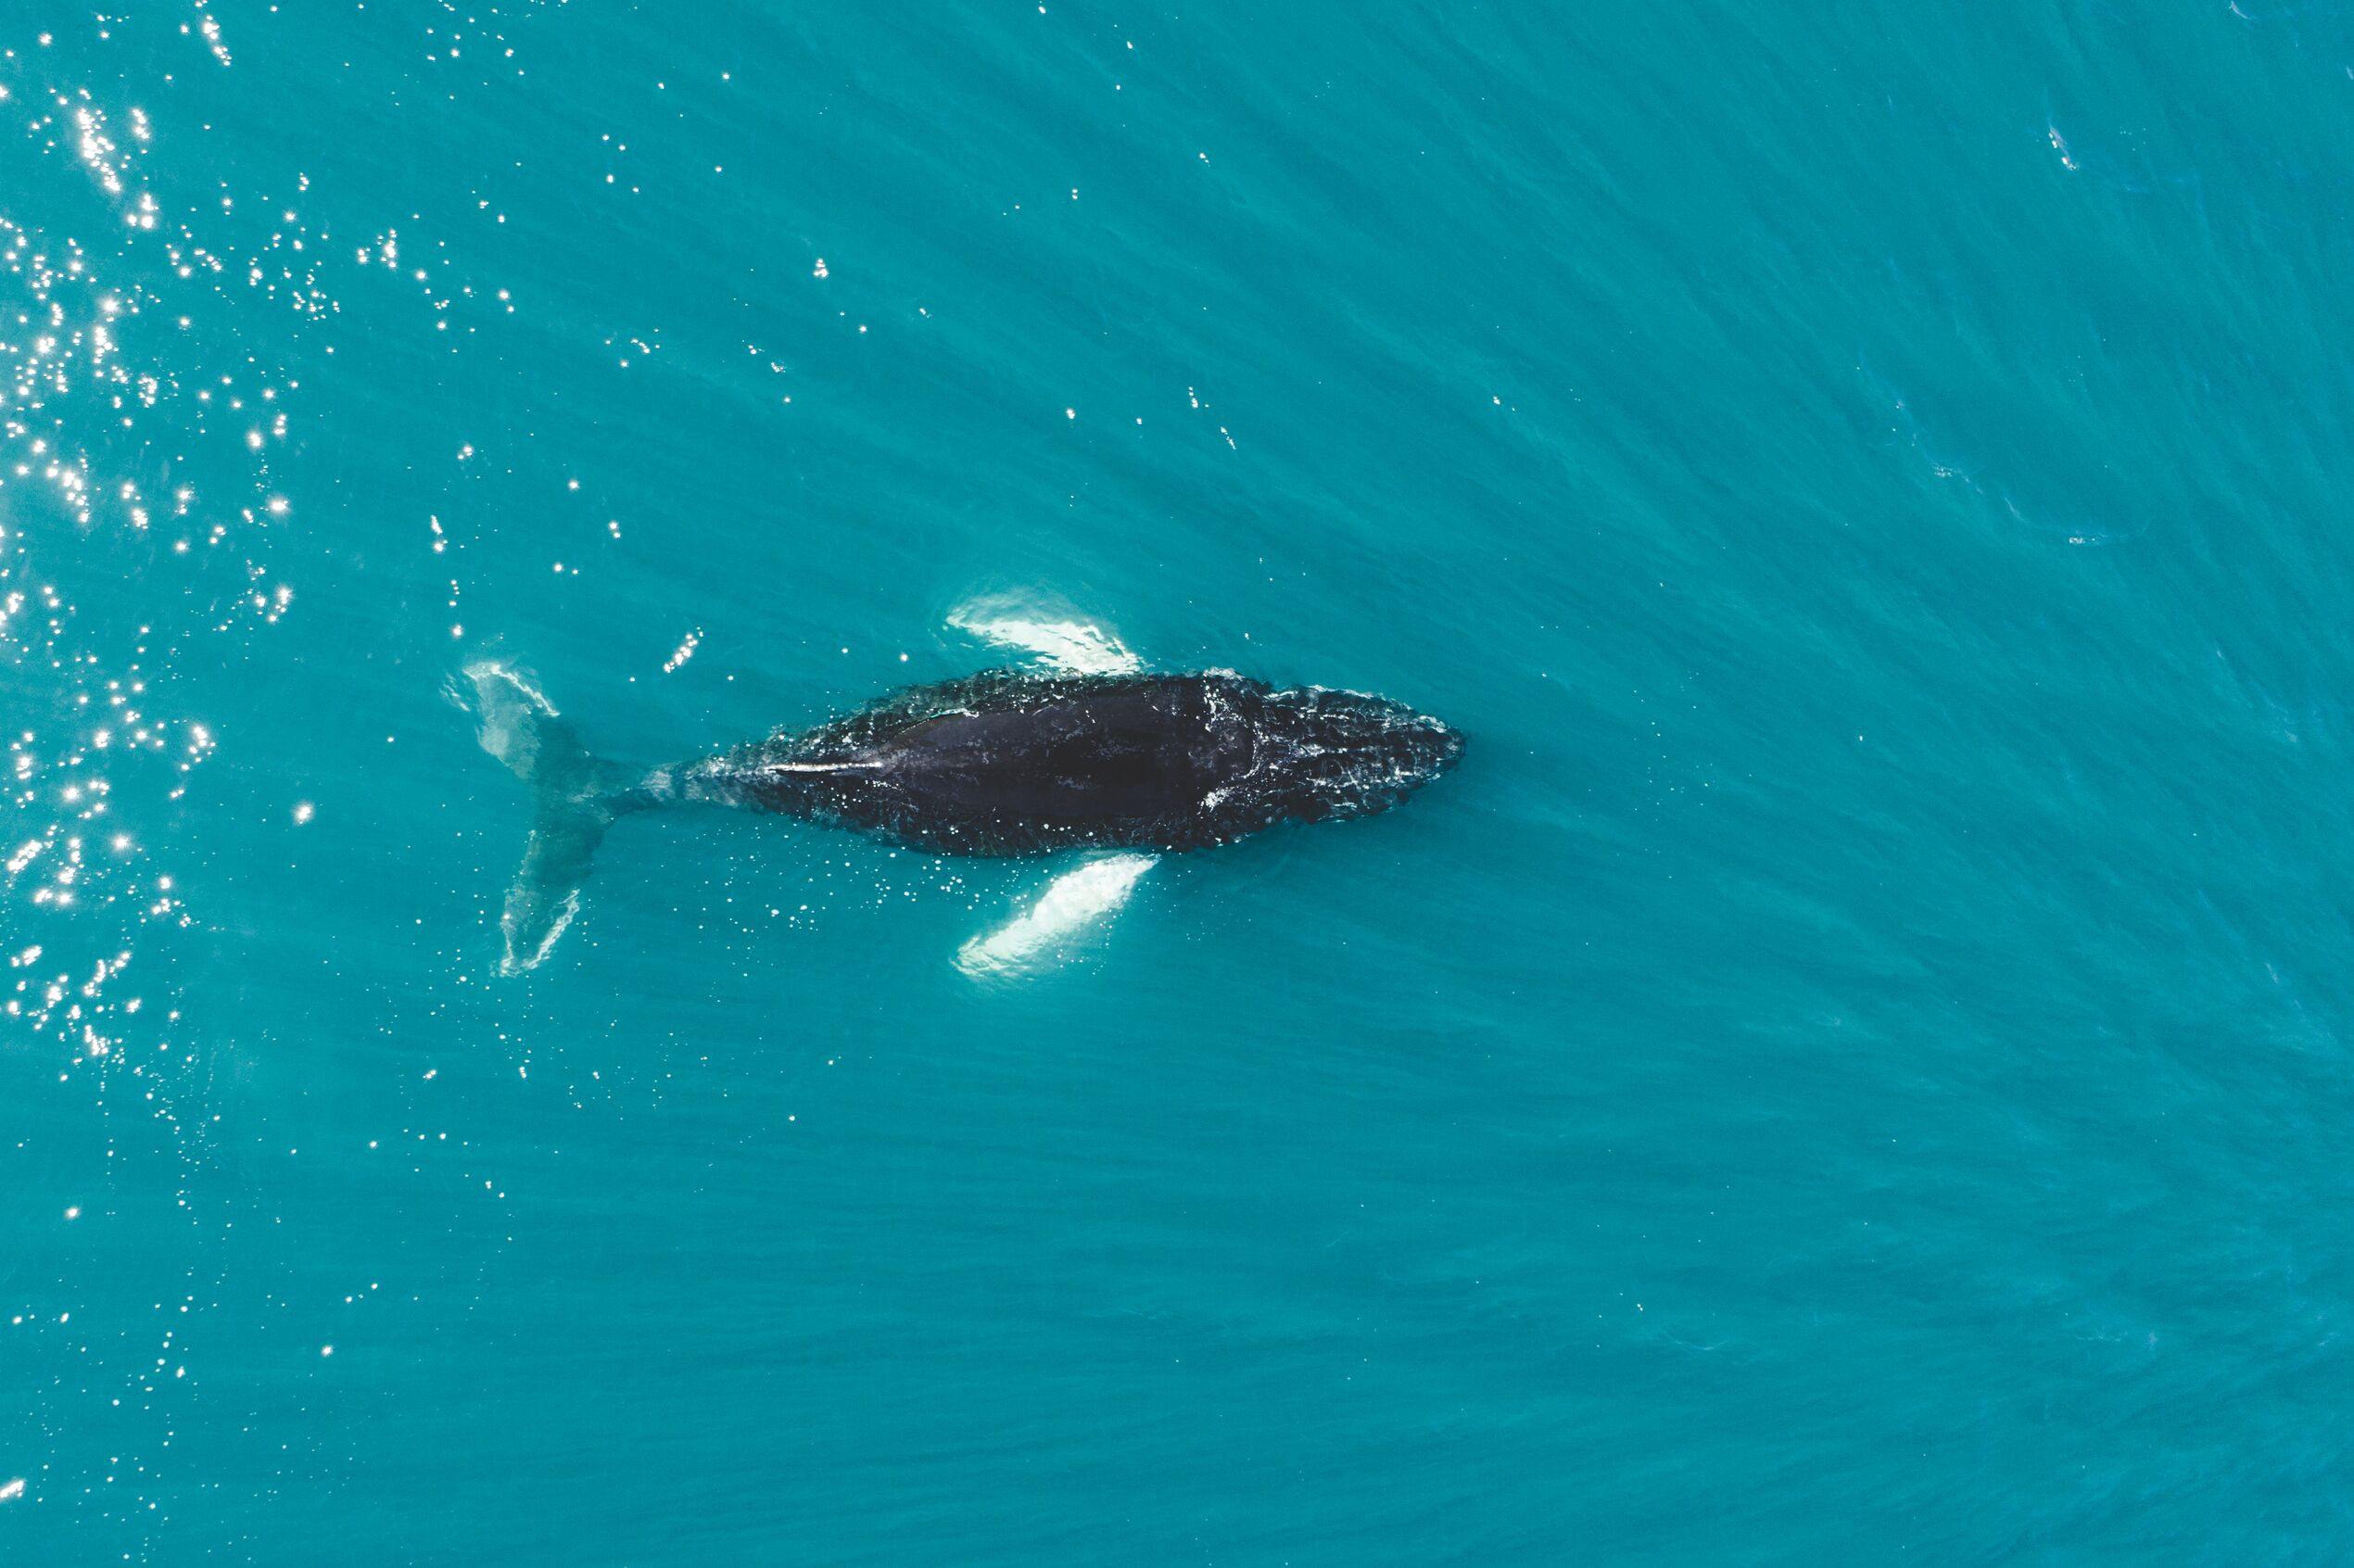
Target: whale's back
(1143,751)
(1119,762)
(1006,764)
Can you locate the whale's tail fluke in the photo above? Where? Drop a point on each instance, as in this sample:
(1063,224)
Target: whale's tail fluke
(574,798)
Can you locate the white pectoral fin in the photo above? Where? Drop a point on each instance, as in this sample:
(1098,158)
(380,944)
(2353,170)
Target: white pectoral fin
(1052,634)
(1077,903)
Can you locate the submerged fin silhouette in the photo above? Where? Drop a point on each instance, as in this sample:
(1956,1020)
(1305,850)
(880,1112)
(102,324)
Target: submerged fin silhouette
(574,800)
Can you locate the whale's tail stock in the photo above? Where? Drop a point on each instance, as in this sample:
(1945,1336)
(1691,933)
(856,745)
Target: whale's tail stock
(575,795)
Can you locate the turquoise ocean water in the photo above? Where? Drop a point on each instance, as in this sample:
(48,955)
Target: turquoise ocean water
(1855,1068)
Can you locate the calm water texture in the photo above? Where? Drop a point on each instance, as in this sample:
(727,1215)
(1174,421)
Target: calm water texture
(1854,1068)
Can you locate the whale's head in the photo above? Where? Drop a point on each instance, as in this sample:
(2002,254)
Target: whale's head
(1324,753)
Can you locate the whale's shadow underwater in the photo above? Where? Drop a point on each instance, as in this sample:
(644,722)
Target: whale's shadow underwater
(1083,752)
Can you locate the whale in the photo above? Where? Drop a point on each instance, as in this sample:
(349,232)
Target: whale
(1002,762)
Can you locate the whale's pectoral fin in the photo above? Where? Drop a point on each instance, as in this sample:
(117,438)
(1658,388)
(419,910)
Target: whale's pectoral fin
(1050,633)
(1077,903)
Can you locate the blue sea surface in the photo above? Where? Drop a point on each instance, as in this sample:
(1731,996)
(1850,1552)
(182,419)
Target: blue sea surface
(1854,1068)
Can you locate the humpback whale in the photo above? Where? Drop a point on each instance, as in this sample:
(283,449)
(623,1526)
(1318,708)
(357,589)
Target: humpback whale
(1002,763)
